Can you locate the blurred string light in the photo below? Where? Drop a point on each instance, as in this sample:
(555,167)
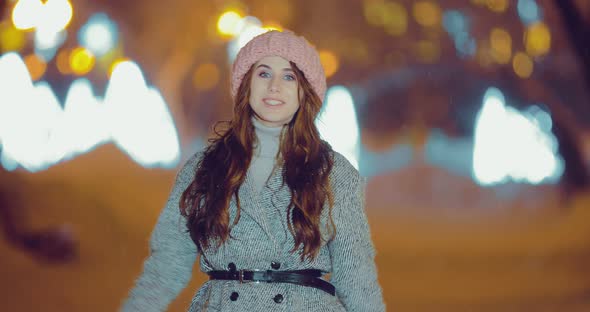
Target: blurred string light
(513,146)
(116,63)
(501,45)
(522,65)
(338,125)
(427,13)
(528,11)
(150,140)
(537,39)
(24,129)
(36,132)
(99,35)
(329,61)
(11,38)
(84,112)
(206,76)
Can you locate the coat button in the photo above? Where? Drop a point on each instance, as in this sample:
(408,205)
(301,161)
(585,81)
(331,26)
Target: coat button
(275,265)
(234,296)
(278,298)
(231,266)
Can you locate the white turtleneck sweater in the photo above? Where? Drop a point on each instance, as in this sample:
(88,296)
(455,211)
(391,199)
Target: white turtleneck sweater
(264,153)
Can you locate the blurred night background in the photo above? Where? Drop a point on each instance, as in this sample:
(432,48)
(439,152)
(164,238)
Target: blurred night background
(469,118)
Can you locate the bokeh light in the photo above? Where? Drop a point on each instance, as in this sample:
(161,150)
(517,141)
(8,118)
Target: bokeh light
(206,76)
(35,65)
(99,35)
(27,13)
(501,45)
(62,61)
(427,51)
(55,16)
(497,5)
(537,39)
(390,15)
(116,63)
(427,13)
(81,61)
(330,62)
(395,18)
(522,64)
(11,38)
(528,11)
(228,23)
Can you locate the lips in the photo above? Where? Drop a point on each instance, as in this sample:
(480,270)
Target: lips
(272,102)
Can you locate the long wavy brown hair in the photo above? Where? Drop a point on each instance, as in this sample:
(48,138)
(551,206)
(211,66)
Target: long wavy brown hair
(307,162)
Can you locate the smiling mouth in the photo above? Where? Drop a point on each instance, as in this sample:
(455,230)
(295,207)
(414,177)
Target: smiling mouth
(272,102)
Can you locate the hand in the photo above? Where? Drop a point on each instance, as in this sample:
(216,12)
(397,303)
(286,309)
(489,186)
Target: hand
(54,245)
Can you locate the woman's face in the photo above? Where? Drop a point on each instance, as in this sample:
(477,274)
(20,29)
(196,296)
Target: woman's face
(273,91)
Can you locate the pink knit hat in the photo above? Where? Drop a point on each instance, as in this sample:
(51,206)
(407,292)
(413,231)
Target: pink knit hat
(286,45)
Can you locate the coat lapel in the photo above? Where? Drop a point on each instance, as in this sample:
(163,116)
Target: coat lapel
(257,205)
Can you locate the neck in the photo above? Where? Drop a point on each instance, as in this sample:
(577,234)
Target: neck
(268,139)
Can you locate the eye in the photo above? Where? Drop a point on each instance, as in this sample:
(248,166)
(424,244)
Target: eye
(264,74)
(290,77)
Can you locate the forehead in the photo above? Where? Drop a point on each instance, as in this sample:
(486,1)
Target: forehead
(274,62)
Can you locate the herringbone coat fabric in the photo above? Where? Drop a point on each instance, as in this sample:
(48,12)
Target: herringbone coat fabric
(260,237)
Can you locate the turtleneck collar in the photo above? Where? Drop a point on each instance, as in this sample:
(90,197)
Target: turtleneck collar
(268,139)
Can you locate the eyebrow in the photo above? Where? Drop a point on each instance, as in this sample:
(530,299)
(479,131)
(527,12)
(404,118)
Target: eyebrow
(266,66)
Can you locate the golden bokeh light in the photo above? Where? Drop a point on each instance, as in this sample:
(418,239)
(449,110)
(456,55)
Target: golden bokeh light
(395,17)
(330,62)
(206,76)
(427,51)
(501,45)
(62,61)
(522,64)
(498,5)
(35,65)
(373,10)
(11,39)
(390,15)
(484,54)
(228,23)
(537,39)
(427,13)
(81,61)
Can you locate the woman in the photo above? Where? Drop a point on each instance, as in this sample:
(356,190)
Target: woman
(268,206)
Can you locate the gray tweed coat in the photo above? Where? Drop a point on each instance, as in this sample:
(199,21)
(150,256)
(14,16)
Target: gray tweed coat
(262,237)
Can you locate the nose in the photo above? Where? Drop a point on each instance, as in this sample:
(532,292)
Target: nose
(274,85)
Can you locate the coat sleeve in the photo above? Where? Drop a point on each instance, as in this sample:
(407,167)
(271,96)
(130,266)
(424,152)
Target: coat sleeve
(168,268)
(354,273)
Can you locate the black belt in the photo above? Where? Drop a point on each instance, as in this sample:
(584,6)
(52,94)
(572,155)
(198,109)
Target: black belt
(310,278)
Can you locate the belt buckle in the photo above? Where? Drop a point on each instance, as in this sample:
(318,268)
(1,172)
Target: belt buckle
(243,281)
(241,276)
